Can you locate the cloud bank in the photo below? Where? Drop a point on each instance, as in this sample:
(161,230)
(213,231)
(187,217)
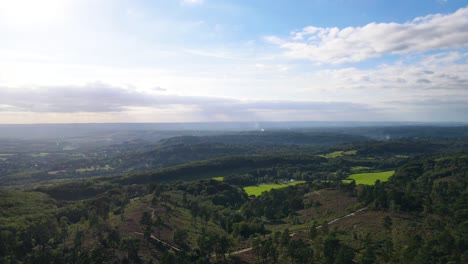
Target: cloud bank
(332,45)
(103,98)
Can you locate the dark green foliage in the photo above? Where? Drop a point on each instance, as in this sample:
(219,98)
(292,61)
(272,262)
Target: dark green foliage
(427,198)
(217,166)
(220,193)
(270,138)
(299,252)
(434,186)
(246,229)
(345,255)
(276,204)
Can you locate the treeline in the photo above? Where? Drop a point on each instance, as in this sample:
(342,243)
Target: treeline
(401,147)
(49,231)
(270,138)
(220,166)
(435,188)
(239,170)
(187,172)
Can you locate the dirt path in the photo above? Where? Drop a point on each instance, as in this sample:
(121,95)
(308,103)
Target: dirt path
(161,242)
(295,233)
(346,216)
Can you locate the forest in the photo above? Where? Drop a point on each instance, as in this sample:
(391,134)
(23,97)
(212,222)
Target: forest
(382,194)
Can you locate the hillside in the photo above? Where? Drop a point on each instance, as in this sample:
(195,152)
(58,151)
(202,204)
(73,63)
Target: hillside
(199,212)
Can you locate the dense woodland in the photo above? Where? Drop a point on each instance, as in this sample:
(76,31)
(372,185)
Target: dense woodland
(182,199)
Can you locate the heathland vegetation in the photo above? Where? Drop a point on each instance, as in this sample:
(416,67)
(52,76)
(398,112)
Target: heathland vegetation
(248,197)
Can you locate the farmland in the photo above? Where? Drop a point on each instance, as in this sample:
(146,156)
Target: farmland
(259,189)
(137,200)
(370,178)
(336,154)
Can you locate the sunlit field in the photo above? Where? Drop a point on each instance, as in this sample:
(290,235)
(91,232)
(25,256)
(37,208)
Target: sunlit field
(370,178)
(259,189)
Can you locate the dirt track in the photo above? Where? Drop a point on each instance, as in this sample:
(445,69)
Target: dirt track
(293,234)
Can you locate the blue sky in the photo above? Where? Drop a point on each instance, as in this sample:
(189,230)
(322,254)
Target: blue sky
(64,61)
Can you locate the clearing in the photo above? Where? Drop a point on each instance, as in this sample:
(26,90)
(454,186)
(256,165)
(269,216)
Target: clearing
(356,169)
(339,153)
(93,168)
(257,190)
(370,178)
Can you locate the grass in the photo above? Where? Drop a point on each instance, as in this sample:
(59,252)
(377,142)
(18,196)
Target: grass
(328,204)
(92,168)
(370,178)
(23,174)
(68,148)
(259,189)
(42,154)
(176,218)
(77,155)
(356,169)
(18,207)
(338,153)
(401,156)
(5,155)
(221,178)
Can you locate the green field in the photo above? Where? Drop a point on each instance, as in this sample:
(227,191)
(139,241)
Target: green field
(356,169)
(339,153)
(42,154)
(69,148)
(401,156)
(259,189)
(4,157)
(92,168)
(370,178)
(221,178)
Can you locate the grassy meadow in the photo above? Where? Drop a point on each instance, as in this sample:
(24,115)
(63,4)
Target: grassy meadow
(257,190)
(339,153)
(369,178)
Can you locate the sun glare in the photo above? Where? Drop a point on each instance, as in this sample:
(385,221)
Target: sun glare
(32,12)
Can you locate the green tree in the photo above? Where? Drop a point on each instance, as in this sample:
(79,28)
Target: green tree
(313,231)
(345,255)
(299,252)
(169,257)
(331,248)
(285,238)
(159,223)
(387,223)
(146,219)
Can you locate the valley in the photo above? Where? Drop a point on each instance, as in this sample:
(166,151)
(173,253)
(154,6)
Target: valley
(228,200)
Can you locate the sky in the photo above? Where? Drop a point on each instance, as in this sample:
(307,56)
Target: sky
(105,61)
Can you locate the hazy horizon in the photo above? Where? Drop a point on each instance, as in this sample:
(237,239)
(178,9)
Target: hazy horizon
(186,61)
(311,122)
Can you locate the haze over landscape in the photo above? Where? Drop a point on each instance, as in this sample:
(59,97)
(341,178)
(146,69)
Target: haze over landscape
(233,131)
(87,61)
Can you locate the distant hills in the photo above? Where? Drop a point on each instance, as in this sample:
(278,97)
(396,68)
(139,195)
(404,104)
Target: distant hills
(148,130)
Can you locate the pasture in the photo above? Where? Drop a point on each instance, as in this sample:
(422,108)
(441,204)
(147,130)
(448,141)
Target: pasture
(369,178)
(339,153)
(257,190)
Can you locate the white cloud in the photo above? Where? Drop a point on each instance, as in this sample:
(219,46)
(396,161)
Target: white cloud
(428,88)
(352,44)
(429,76)
(97,99)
